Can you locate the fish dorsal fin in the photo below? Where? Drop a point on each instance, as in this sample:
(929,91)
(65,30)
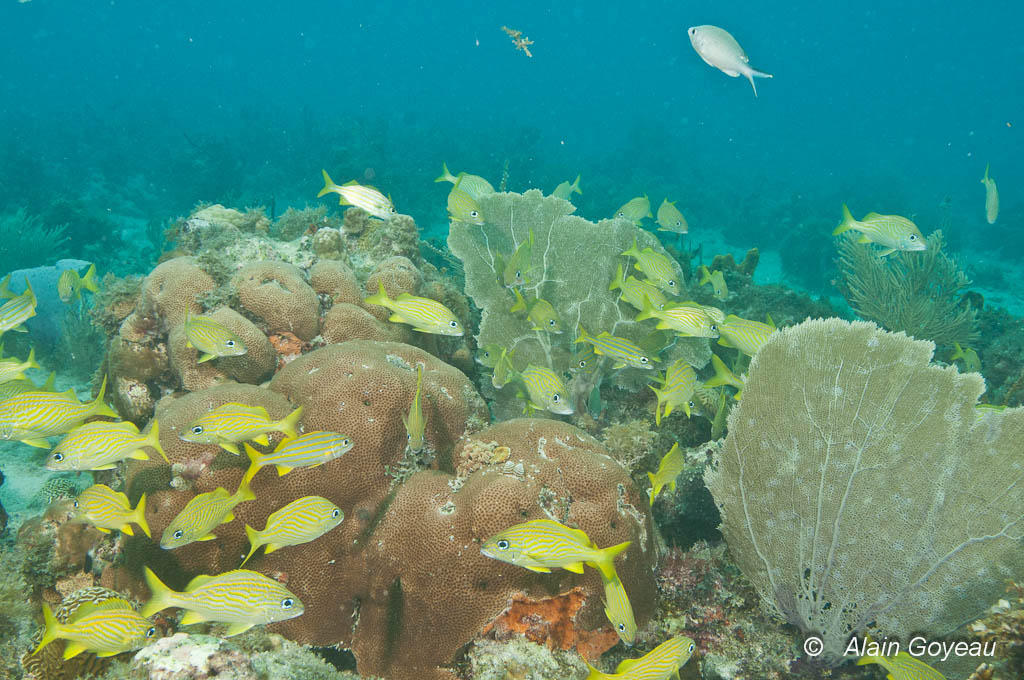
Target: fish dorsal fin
(871,216)
(351,183)
(246,408)
(197,582)
(605,334)
(403,296)
(91,607)
(70,393)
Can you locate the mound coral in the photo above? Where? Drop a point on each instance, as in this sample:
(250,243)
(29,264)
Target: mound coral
(861,490)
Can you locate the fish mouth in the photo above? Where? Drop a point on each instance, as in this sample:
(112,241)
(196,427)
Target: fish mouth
(562,410)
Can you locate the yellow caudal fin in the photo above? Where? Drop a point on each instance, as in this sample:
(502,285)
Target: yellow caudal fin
(649,213)
(446,175)
(655,487)
(254,542)
(633,251)
(606,562)
(648,311)
(984,180)
(161,597)
(959,353)
(98,407)
(657,407)
(705,276)
(50,383)
(139,515)
(153,439)
(31,361)
(254,463)
(29,292)
(328,185)
(520,303)
(847,223)
(575,186)
(618,280)
(5,288)
(583,335)
(245,492)
(89,280)
(380,297)
(287,425)
(52,628)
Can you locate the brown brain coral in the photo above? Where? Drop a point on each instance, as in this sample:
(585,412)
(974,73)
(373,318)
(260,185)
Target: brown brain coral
(277,294)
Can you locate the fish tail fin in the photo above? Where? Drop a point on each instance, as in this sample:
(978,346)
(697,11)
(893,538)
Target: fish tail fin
(633,251)
(583,335)
(985,178)
(328,185)
(51,630)
(98,407)
(31,361)
(618,280)
(520,303)
(5,288)
(89,280)
(657,407)
(648,311)
(649,213)
(245,492)
(380,297)
(254,542)
(31,293)
(705,275)
(446,175)
(161,597)
(575,186)
(50,383)
(139,516)
(606,562)
(723,376)
(153,439)
(655,488)
(959,353)
(759,74)
(254,463)
(288,424)
(847,223)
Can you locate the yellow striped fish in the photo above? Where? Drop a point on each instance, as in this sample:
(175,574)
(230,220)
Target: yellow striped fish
(635,291)
(5,288)
(618,609)
(972,362)
(462,207)
(233,423)
(309,450)
(670,219)
(70,284)
(301,521)
(423,314)
(15,387)
(623,351)
(17,310)
(677,388)
(211,338)
(714,313)
(991,197)
(717,281)
(12,369)
(361,196)
(566,190)
(723,376)
(543,544)
(474,185)
(672,463)
(687,320)
(415,423)
(504,371)
(101,445)
(902,666)
(743,334)
(105,628)
(635,209)
(892,232)
(202,515)
(517,267)
(584,360)
(539,311)
(661,663)
(544,390)
(488,355)
(240,598)
(655,266)
(31,417)
(106,509)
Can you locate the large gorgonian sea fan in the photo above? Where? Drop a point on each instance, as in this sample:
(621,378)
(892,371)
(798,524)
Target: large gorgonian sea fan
(27,242)
(862,491)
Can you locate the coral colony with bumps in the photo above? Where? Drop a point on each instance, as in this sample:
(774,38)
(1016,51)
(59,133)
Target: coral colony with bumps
(568,453)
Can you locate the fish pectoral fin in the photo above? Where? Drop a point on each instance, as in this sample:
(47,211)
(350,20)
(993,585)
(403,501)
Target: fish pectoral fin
(101,529)
(127,529)
(110,652)
(575,567)
(675,674)
(887,251)
(282,470)
(262,440)
(137,454)
(38,443)
(111,466)
(231,447)
(207,537)
(863,239)
(191,617)
(236,628)
(72,648)
(542,570)
(397,318)
(271,547)
(619,365)
(230,517)
(206,357)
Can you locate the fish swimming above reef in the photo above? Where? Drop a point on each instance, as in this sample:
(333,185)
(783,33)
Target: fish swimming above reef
(991,198)
(635,291)
(544,389)
(514,273)
(676,390)
(635,209)
(624,352)
(100,445)
(106,509)
(13,388)
(902,666)
(361,196)
(474,185)
(618,609)
(31,417)
(307,451)
(240,598)
(743,334)
(670,219)
(301,521)
(719,49)
(70,284)
(538,311)
(423,314)
(717,281)
(18,310)
(566,190)
(655,266)
(105,628)
(488,355)
(724,376)
(972,363)
(892,232)
(462,207)
(543,544)
(203,514)
(212,338)
(12,369)
(672,463)
(415,423)
(233,423)
(660,663)
(687,319)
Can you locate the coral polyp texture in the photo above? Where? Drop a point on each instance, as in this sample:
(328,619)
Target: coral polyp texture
(861,490)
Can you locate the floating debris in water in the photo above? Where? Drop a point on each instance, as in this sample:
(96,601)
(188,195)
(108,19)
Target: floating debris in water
(521,41)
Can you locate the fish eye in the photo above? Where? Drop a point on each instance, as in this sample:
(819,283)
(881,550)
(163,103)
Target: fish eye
(519,274)
(503,544)
(179,533)
(198,429)
(344,442)
(583,363)
(392,209)
(913,237)
(58,457)
(643,360)
(551,323)
(453,324)
(622,627)
(714,327)
(690,403)
(672,284)
(230,343)
(678,223)
(474,213)
(287,603)
(691,648)
(75,504)
(151,631)
(335,512)
(487,355)
(555,398)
